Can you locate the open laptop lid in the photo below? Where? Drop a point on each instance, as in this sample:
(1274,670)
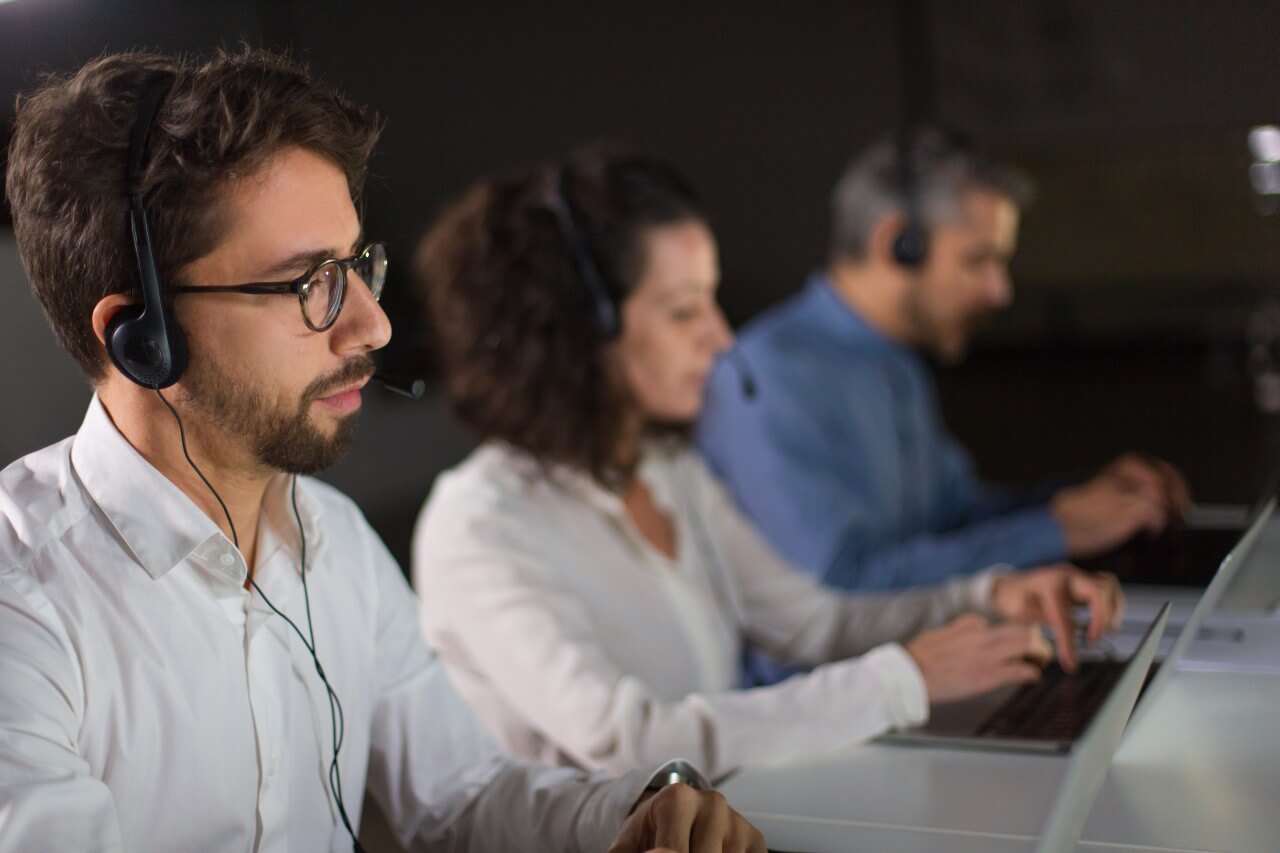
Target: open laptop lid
(1255,581)
(1092,754)
(1208,601)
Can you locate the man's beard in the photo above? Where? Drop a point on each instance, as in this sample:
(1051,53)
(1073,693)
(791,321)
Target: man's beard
(280,436)
(948,345)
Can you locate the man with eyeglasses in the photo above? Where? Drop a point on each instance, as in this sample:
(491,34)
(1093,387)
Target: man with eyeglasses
(201,648)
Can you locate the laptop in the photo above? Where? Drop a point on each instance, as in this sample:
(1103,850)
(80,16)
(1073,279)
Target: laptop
(1055,712)
(1094,750)
(1185,556)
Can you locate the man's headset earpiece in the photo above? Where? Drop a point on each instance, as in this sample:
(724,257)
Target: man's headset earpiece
(143,341)
(150,348)
(911,245)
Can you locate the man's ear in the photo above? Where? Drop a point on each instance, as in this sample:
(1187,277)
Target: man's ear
(105,310)
(885,231)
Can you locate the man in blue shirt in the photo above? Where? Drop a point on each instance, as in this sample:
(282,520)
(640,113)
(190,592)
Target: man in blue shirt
(842,458)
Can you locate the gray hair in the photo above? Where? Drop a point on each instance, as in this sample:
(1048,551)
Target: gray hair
(943,169)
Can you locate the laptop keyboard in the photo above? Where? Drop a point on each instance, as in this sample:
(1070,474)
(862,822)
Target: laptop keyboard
(1057,707)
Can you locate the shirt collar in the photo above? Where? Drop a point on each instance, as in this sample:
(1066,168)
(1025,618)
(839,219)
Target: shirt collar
(649,470)
(159,524)
(833,314)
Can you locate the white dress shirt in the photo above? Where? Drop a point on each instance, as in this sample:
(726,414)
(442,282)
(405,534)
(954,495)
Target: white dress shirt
(578,642)
(150,702)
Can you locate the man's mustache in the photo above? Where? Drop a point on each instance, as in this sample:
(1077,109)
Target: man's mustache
(355,369)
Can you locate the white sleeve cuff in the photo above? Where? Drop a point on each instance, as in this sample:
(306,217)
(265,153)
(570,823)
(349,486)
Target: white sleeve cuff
(905,696)
(978,591)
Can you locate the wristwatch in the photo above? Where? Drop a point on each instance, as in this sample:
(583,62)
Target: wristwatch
(674,772)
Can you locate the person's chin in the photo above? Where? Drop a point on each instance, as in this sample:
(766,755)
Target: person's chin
(682,415)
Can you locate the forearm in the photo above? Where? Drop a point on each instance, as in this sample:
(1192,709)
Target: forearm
(835,706)
(871,620)
(1023,539)
(534,807)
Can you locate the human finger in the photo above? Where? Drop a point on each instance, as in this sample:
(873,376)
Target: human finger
(1117,598)
(1143,512)
(674,810)
(1095,592)
(1014,672)
(755,838)
(1056,608)
(1176,484)
(711,828)
(1016,642)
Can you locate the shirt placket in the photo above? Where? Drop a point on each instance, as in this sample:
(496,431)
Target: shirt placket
(907,431)
(678,588)
(268,667)
(267,678)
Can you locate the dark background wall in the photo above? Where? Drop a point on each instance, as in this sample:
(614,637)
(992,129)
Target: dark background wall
(1142,262)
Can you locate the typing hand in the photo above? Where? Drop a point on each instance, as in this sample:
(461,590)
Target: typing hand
(1139,472)
(1132,495)
(683,820)
(1049,595)
(969,656)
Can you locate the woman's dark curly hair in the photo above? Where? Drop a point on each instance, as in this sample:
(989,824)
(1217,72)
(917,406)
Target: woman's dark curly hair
(524,355)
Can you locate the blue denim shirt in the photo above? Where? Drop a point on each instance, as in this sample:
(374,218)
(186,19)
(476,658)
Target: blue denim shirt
(843,462)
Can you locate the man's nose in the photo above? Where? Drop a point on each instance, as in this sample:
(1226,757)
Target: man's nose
(362,326)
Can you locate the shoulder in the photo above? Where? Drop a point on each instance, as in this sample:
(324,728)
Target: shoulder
(39,501)
(792,347)
(498,493)
(495,476)
(787,327)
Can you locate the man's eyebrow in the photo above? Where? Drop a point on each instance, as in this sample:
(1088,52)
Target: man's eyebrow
(675,292)
(302,261)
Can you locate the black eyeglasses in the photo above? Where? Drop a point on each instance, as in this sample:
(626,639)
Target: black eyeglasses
(322,289)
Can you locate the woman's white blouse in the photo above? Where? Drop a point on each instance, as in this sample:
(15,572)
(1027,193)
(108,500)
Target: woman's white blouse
(577,642)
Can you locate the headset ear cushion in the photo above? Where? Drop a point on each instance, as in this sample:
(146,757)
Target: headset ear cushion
(117,338)
(910,246)
(177,352)
(133,346)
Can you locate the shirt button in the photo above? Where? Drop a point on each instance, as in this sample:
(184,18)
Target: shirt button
(227,559)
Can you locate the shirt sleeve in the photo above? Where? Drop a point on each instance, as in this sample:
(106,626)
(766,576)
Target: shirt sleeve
(789,614)
(1025,538)
(441,779)
(48,799)
(510,624)
(803,482)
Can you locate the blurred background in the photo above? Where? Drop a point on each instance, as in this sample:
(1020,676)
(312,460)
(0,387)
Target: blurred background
(1148,277)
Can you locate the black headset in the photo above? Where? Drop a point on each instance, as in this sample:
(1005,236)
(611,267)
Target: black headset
(144,342)
(911,245)
(605,314)
(149,347)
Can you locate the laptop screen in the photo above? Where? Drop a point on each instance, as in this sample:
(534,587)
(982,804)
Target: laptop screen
(1227,571)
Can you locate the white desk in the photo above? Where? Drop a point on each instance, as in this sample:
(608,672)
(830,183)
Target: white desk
(1200,771)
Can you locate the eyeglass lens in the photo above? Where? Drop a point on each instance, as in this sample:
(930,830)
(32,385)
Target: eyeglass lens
(323,296)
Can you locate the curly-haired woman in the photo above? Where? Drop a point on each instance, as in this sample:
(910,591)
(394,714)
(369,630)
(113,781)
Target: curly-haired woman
(587,581)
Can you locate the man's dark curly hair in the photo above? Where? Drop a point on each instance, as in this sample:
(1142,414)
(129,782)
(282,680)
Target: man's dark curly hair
(524,357)
(223,119)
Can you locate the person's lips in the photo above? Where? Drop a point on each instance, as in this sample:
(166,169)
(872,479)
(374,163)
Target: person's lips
(345,399)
